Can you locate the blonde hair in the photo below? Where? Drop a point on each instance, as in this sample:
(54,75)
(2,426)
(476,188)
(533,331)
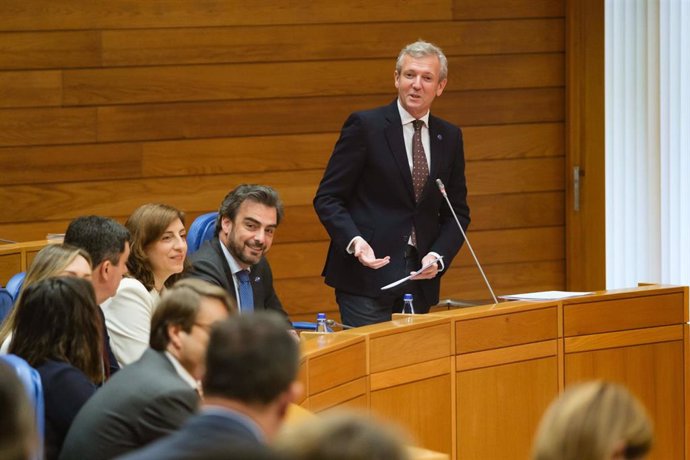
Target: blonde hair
(589,421)
(50,261)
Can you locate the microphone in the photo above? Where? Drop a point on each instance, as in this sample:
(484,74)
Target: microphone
(442,189)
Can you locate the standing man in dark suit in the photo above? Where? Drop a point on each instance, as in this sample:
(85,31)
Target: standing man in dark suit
(234,259)
(379,201)
(250,381)
(155,395)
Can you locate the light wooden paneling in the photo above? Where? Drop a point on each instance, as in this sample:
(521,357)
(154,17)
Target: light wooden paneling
(617,315)
(501,356)
(506,330)
(654,374)
(336,368)
(352,394)
(432,425)
(411,347)
(499,408)
(623,338)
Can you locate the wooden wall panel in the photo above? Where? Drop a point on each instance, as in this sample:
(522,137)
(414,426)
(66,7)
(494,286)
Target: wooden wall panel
(49,50)
(30,89)
(124,14)
(480,9)
(106,105)
(295,79)
(323,42)
(513,399)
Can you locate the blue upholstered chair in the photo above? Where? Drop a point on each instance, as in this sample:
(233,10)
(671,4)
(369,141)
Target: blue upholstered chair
(32,382)
(6,302)
(202,229)
(14,285)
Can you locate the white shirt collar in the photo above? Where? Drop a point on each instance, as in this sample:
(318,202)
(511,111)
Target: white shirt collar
(406,118)
(182,372)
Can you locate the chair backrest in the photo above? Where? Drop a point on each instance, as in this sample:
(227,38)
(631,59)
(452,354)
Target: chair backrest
(14,285)
(6,302)
(32,382)
(202,229)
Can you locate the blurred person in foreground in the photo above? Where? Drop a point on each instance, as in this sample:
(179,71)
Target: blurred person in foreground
(342,435)
(594,421)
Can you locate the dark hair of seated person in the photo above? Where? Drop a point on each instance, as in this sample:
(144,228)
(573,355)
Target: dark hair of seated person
(58,331)
(58,319)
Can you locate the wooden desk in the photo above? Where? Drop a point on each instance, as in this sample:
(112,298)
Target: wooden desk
(17,257)
(474,382)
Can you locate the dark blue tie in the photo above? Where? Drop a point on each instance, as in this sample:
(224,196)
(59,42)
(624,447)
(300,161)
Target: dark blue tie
(245,290)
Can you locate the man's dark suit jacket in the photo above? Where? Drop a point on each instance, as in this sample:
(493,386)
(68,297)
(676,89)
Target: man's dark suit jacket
(209,264)
(206,436)
(367,190)
(141,403)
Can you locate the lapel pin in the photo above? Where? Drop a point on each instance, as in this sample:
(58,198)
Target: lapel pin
(439,137)
(257,279)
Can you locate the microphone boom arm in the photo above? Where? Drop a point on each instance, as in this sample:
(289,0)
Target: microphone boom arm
(442,188)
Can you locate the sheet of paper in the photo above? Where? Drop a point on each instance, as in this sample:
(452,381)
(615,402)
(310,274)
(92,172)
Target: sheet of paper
(544,295)
(401,281)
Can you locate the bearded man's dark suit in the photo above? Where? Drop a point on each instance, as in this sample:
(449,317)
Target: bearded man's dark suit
(367,190)
(209,264)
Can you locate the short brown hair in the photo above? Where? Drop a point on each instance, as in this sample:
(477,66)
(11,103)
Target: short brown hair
(180,306)
(251,358)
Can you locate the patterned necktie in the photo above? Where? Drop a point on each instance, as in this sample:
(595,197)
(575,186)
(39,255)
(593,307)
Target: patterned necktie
(420,168)
(245,290)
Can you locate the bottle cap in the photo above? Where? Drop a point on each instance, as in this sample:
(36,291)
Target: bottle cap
(321,316)
(407,297)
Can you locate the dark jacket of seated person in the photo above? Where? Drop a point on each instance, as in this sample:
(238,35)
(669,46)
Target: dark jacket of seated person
(58,331)
(155,395)
(240,416)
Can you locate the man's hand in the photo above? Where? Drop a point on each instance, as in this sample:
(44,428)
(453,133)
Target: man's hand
(366,255)
(430,271)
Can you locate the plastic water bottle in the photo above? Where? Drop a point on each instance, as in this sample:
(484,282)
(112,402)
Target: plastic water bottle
(408,307)
(321,325)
